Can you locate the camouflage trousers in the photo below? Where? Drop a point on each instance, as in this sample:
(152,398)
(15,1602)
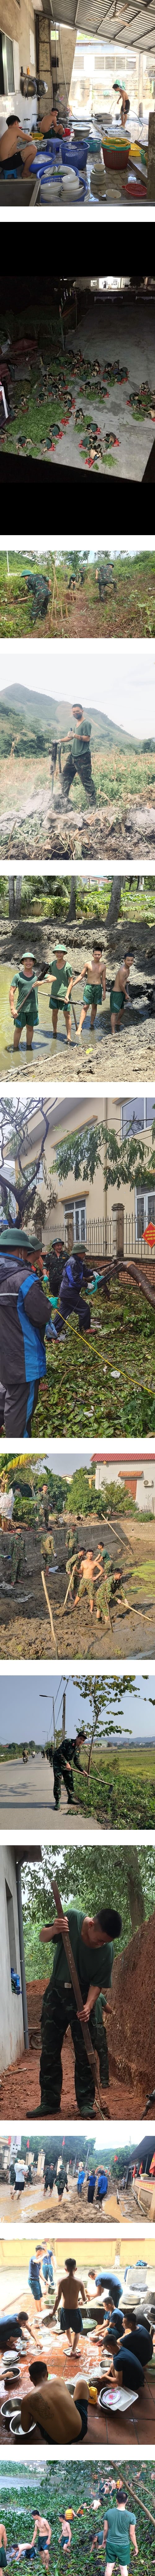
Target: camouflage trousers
(82,764)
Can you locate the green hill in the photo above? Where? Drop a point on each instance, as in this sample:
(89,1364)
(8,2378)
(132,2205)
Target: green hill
(41,715)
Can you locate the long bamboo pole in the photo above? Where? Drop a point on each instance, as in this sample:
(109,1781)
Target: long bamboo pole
(77,1989)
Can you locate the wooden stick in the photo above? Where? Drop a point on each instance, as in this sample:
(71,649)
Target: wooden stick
(48,1605)
(76,1987)
(69,1584)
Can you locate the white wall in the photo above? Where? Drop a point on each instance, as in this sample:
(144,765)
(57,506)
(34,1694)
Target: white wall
(11,2011)
(109,1472)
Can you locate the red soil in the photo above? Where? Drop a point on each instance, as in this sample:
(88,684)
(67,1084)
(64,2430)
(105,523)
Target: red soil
(131,2039)
(133,2048)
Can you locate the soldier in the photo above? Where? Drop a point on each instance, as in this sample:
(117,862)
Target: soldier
(91,1940)
(79,757)
(40,585)
(62,1758)
(105,578)
(25,1317)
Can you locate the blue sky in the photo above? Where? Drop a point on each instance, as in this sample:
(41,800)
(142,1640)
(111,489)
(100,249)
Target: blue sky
(27,1710)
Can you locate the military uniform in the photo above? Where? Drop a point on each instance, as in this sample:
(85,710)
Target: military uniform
(65,1753)
(38,583)
(59,2011)
(79,758)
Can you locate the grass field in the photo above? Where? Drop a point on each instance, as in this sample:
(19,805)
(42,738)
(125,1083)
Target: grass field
(118,776)
(128,611)
(121,1789)
(81,1392)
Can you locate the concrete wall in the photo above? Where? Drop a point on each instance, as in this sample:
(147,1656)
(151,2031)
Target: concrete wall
(19,23)
(12,2028)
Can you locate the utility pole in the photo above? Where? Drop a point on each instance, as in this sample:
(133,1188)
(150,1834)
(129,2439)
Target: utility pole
(63,1716)
(7,560)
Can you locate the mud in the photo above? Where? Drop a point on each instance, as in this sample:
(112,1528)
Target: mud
(96,1052)
(25,1625)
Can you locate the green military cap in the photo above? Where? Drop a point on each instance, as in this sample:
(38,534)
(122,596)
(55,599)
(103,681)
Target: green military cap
(12,1239)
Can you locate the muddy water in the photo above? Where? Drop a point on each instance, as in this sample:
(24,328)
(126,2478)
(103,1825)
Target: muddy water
(132,1053)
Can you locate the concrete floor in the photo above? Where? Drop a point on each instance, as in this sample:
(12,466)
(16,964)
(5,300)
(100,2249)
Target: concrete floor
(129,334)
(26,1795)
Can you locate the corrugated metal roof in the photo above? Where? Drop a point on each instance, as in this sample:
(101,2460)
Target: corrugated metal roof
(86,14)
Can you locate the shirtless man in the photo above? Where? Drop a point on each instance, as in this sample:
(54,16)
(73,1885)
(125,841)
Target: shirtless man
(94,986)
(71,2320)
(54,2412)
(90,1567)
(119,992)
(3,2544)
(42,2534)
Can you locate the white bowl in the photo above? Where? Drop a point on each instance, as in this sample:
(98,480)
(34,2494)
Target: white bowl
(71,182)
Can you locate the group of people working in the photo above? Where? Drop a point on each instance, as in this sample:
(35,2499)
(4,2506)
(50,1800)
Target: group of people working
(119,2530)
(125,2348)
(60,979)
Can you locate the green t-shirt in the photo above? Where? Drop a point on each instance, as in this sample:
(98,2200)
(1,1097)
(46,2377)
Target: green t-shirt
(27,994)
(94,1967)
(60,978)
(118,2537)
(84,728)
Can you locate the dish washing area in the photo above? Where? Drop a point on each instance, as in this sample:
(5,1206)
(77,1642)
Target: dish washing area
(89,168)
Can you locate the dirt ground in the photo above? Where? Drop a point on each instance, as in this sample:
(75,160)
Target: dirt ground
(20,2088)
(25,1629)
(39,2205)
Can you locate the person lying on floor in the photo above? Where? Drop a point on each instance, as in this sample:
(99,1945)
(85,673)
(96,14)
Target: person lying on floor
(57,2415)
(16,153)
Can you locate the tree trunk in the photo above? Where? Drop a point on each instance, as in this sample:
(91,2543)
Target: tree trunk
(135,1892)
(11,897)
(91,1747)
(114,905)
(18,897)
(71,916)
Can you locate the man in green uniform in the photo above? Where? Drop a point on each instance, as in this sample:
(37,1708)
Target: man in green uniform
(91,1940)
(40,585)
(61,979)
(62,1757)
(25,985)
(79,756)
(119,2529)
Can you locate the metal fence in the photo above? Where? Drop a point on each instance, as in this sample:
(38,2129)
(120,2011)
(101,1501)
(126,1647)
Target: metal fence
(100,1241)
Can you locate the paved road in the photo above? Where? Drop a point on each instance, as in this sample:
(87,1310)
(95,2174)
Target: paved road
(26,1794)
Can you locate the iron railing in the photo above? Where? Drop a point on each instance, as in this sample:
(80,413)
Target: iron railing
(99,1238)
